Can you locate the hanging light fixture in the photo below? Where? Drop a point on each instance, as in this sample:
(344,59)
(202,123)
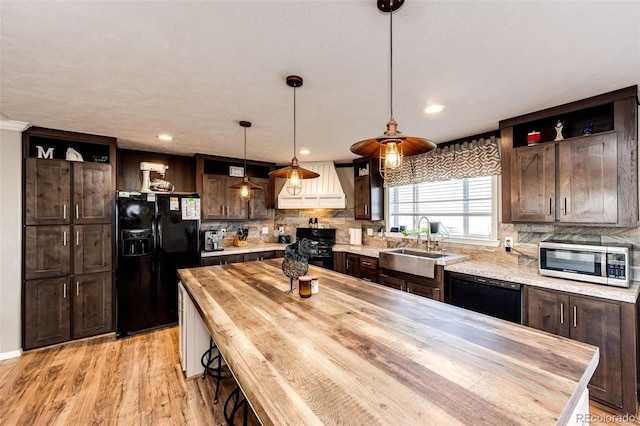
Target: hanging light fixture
(245,186)
(294,173)
(392,146)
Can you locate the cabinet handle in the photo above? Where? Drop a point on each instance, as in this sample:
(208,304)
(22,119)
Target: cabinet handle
(77,211)
(77,238)
(366,209)
(64,211)
(64,291)
(561,313)
(366,263)
(565,206)
(64,238)
(348,264)
(366,279)
(550,202)
(575,316)
(77,288)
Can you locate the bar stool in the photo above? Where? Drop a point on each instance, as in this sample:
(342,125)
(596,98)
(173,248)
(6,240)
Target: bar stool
(235,402)
(213,367)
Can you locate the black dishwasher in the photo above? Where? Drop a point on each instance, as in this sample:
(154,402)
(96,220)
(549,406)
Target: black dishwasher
(500,299)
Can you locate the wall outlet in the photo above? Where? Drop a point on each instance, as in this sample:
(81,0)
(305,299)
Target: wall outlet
(265,230)
(370,231)
(508,244)
(223,232)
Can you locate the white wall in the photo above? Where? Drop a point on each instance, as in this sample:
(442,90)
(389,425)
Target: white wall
(10,241)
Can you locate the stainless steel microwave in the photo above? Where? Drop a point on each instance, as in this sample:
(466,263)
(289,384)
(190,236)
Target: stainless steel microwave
(610,265)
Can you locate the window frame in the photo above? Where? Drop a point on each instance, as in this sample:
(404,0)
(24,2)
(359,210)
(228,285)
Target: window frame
(491,241)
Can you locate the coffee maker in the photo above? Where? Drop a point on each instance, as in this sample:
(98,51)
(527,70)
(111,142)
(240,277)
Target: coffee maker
(212,240)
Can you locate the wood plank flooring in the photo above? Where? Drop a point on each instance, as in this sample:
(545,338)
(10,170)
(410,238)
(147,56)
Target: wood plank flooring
(104,381)
(132,381)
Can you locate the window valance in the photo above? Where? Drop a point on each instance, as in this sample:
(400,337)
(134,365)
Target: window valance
(464,160)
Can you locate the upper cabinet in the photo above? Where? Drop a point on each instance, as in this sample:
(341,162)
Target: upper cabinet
(219,202)
(586,179)
(368,189)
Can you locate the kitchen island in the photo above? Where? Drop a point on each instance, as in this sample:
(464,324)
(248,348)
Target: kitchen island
(360,353)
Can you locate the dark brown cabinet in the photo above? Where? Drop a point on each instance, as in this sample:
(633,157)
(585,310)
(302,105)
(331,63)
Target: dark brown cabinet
(261,201)
(47,251)
(92,304)
(533,184)
(609,325)
(68,243)
(241,257)
(92,248)
(588,179)
(47,192)
(359,266)
(47,312)
(352,264)
(219,201)
(368,190)
(432,288)
(368,268)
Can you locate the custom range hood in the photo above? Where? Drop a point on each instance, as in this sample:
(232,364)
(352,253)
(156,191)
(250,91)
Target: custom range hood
(324,192)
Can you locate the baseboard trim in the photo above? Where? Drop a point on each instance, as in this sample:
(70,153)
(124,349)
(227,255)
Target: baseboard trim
(11,354)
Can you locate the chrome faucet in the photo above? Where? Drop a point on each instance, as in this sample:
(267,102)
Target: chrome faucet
(419,241)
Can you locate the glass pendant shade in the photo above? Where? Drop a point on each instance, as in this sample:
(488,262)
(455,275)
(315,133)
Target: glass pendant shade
(391,156)
(245,187)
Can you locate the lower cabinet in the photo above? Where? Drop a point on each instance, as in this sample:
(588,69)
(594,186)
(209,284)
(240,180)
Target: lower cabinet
(364,267)
(62,308)
(241,257)
(432,288)
(609,325)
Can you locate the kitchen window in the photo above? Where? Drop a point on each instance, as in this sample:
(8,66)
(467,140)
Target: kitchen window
(467,207)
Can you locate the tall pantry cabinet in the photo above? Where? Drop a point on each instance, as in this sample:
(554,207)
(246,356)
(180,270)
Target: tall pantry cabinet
(68,267)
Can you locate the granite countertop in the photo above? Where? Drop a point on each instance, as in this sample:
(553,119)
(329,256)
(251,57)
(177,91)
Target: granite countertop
(449,259)
(530,276)
(249,248)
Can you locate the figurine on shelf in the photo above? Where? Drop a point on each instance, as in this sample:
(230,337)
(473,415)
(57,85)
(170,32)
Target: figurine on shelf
(588,130)
(559,126)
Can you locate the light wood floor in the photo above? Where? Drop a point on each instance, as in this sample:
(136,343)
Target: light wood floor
(104,381)
(132,381)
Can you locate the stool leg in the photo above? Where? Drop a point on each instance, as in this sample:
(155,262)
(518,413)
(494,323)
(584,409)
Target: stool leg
(217,372)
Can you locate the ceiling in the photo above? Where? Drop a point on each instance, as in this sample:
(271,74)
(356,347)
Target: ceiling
(133,70)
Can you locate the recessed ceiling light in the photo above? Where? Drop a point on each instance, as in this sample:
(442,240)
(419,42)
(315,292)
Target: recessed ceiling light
(305,152)
(433,108)
(165,137)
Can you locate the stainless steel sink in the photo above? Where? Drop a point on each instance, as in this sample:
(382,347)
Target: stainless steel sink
(414,262)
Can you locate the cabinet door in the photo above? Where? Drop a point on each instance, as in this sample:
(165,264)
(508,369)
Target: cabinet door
(431,292)
(236,207)
(47,192)
(598,323)
(92,248)
(533,183)
(339,262)
(260,255)
(213,197)
(351,264)
(92,304)
(47,251)
(393,282)
(588,179)
(362,197)
(92,193)
(260,203)
(548,311)
(46,312)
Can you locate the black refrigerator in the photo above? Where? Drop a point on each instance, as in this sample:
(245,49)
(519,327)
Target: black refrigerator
(157,234)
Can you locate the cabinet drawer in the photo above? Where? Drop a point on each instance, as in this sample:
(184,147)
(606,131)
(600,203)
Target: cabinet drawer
(368,263)
(392,282)
(369,275)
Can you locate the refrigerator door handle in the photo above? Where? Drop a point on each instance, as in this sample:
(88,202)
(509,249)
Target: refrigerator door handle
(159,236)
(154,248)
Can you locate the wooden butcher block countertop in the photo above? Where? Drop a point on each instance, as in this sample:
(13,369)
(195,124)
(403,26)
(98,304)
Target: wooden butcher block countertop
(359,353)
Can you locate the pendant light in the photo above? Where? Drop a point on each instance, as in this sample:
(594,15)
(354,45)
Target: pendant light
(294,173)
(392,146)
(245,186)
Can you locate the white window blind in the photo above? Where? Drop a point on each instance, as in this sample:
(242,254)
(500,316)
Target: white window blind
(465,206)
